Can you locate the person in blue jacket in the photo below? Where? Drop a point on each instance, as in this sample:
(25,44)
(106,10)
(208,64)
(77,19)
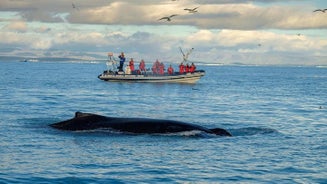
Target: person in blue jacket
(121,61)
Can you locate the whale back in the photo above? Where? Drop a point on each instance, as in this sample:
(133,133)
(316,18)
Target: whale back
(88,121)
(220,131)
(81,121)
(145,125)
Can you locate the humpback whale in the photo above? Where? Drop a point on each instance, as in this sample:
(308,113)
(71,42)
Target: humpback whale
(89,121)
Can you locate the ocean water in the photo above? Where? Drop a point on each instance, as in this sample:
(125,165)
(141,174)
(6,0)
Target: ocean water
(278,116)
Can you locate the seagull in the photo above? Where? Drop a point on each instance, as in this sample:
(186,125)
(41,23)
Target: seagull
(194,10)
(74,6)
(322,10)
(168,18)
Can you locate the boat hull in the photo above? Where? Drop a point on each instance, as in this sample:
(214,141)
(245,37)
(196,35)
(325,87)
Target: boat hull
(151,78)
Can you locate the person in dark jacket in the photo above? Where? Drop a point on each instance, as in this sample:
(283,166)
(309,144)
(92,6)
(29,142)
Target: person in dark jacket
(121,61)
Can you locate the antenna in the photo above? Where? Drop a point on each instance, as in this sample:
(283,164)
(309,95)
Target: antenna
(111,62)
(185,56)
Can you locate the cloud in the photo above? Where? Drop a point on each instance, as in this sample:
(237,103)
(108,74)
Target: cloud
(210,16)
(250,16)
(221,14)
(223,31)
(16,26)
(256,47)
(257,40)
(222,46)
(33,41)
(42,29)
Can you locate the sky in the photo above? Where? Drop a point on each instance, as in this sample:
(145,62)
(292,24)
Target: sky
(260,32)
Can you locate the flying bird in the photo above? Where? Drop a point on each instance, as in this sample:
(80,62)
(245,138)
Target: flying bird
(168,18)
(74,6)
(194,10)
(322,10)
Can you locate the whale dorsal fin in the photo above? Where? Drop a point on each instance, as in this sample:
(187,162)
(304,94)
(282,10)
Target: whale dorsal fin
(79,114)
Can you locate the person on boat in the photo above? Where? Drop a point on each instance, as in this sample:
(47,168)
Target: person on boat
(155,67)
(181,68)
(121,62)
(131,65)
(161,69)
(142,66)
(170,70)
(192,68)
(128,70)
(187,68)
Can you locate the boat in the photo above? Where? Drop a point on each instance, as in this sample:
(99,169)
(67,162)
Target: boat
(29,60)
(114,75)
(176,77)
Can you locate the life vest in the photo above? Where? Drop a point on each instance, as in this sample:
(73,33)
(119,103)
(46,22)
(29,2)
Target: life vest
(154,68)
(161,69)
(192,68)
(181,68)
(187,68)
(170,70)
(142,66)
(131,65)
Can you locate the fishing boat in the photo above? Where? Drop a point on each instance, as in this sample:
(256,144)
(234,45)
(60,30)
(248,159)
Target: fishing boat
(112,74)
(150,77)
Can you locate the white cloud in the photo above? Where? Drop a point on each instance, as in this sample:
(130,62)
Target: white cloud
(215,15)
(16,26)
(222,31)
(41,44)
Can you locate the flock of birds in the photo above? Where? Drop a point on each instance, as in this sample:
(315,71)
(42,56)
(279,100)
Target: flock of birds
(190,10)
(194,10)
(168,18)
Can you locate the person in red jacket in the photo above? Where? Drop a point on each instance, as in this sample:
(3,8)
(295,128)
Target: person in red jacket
(131,65)
(192,68)
(181,68)
(142,66)
(161,69)
(170,70)
(187,68)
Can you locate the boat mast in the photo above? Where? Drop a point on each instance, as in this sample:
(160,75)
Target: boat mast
(185,56)
(111,62)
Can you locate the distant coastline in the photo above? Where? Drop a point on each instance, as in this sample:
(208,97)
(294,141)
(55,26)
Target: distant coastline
(99,60)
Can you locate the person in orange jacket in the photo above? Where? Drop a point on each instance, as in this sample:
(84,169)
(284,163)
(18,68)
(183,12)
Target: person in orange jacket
(187,68)
(142,66)
(131,65)
(181,68)
(170,70)
(192,68)
(161,69)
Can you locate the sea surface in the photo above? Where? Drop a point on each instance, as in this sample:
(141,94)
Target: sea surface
(277,115)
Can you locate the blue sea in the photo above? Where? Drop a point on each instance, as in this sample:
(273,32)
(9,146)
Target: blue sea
(277,115)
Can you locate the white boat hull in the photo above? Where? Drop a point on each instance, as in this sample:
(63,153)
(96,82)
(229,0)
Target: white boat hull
(176,78)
